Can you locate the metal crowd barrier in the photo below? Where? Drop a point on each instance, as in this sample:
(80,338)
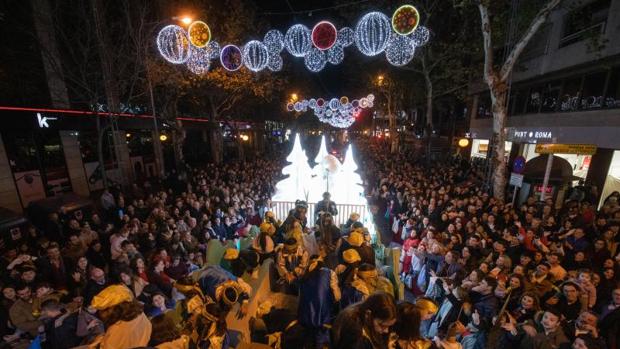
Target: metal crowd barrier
(282,208)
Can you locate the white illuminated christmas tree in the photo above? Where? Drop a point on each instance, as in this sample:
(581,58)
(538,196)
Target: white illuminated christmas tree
(297,185)
(348,188)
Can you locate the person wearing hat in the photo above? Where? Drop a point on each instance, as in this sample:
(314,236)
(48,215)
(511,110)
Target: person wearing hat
(230,254)
(372,281)
(357,241)
(353,290)
(224,288)
(126,324)
(203,320)
(295,216)
(263,243)
(318,292)
(291,263)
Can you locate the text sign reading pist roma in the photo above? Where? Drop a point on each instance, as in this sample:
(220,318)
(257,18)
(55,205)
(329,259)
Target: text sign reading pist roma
(581,149)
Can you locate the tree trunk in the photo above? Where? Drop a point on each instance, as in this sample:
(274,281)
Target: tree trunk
(393,130)
(178,141)
(216,141)
(498,101)
(429,100)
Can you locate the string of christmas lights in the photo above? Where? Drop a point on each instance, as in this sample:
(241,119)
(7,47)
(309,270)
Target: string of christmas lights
(374,34)
(338,112)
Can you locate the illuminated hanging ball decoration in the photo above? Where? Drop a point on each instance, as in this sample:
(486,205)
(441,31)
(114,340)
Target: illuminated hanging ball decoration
(346,37)
(173,44)
(275,62)
(315,60)
(312,103)
(324,35)
(213,49)
(231,57)
(334,103)
(320,102)
(371,97)
(355,103)
(290,107)
(298,106)
(274,40)
(372,33)
(335,55)
(421,36)
(400,50)
(199,62)
(255,56)
(405,20)
(364,102)
(298,40)
(344,100)
(199,33)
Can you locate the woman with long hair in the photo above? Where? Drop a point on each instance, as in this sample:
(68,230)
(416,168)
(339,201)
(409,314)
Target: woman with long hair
(365,325)
(528,307)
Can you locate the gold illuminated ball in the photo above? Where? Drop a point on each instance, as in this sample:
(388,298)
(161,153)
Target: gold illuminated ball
(199,34)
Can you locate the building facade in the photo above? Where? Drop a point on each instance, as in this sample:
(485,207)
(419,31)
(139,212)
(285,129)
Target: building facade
(565,90)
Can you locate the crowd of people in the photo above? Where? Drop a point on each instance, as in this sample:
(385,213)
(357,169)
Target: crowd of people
(474,271)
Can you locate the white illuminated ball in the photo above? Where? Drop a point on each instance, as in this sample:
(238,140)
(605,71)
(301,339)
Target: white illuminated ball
(275,62)
(173,44)
(421,36)
(335,55)
(255,56)
(213,49)
(372,33)
(199,62)
(315,60)
(298,41)
(346,37)
(400,50)
(274,41)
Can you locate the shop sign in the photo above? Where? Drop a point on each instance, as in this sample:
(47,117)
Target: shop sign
(580,149)
(548,189)
(516,179)
(42,120)
(525,135)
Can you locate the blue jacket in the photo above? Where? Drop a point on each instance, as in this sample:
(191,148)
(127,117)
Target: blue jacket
(316,299)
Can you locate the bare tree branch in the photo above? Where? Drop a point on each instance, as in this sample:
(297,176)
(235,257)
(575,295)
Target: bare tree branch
(537,22)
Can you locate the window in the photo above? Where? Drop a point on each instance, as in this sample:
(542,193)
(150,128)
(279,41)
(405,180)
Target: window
(534,100)
(612,97)
(521,98)
(571,97)
(551,96)
(484,106)
(585,21)
(593,89)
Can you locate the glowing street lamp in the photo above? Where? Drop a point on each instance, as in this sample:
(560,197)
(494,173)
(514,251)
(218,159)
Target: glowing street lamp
(163,138)
(463,142)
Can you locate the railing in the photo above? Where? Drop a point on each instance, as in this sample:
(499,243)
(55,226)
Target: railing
(282,208)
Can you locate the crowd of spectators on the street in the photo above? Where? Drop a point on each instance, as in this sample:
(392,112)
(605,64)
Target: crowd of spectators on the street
(147,238)
(475,271)
(540,274)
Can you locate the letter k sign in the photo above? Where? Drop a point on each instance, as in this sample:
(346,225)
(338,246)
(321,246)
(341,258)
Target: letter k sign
(43,120)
